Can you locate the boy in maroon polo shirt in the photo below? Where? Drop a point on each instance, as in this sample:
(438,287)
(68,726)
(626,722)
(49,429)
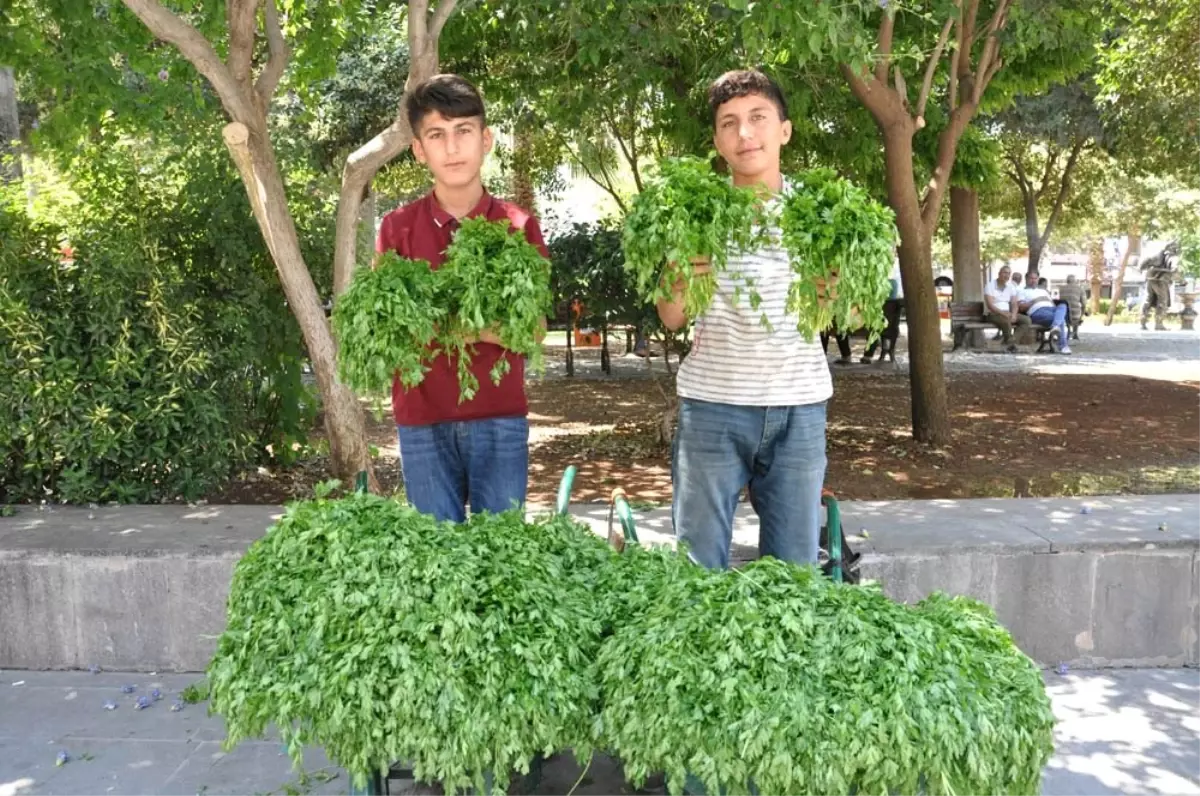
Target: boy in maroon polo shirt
(477,452)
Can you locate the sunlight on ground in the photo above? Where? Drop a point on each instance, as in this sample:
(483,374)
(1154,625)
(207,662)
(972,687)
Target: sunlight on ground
(15,787)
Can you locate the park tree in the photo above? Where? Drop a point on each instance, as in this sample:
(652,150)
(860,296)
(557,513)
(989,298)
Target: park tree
(952,51)
(1149,88)
(244,50)
(1047,140)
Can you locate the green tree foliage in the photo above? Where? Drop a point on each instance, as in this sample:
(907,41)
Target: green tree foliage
(1149,86)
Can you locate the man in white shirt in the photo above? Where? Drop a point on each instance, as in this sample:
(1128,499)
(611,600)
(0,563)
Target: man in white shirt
(1036,303)
(751,399)
(1000,300)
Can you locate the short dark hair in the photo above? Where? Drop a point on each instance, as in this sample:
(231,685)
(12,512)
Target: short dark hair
(450,95)
(743,83)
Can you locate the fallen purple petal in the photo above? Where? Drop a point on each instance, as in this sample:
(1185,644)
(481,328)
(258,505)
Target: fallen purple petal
(128,689)
(177,706)
(163,74)
(156,695)
(1062,669)
(110,705)
(1085,509)
(62,758)
(143,703)
(94,669)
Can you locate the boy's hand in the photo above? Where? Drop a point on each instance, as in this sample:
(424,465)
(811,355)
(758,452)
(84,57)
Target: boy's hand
(826,288)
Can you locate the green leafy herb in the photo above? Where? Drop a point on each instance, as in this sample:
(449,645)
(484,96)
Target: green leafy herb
(382,635)
(385,323)
(831,226)
(775,678)
(687,211)
(493,280)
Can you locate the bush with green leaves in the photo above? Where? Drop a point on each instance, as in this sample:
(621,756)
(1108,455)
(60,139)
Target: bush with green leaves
(382,635)
(385,323)
(775,678)
(687,211)
(830,226)
(146,350)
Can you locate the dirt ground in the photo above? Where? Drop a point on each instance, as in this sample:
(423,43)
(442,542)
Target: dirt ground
(1043,435)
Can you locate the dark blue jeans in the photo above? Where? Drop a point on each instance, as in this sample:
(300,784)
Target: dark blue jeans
(779,451)
(481,463)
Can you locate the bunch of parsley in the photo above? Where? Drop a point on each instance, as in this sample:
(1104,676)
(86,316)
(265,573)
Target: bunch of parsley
(688,211)
(832,227)
(385,322)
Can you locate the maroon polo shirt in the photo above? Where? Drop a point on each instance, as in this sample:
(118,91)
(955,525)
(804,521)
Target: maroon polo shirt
(422,231)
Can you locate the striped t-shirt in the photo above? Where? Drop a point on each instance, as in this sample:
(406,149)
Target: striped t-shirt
(735,359)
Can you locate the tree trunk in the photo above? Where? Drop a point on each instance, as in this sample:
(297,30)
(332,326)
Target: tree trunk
(1036,247)
(366,222)
(10,128)
(521,186)
(964,244)
(1119,283)
(259,170)
(1096,272)
(930,412)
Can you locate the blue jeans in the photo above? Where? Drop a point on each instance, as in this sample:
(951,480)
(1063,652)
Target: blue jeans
(778,451)
(484,463)
(1054,317)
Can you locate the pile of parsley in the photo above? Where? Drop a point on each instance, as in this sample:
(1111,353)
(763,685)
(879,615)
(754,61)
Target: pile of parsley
(382,635)
(399,316)
(774,679)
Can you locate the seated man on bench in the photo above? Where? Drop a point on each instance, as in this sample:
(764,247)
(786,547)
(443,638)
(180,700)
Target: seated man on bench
(1035,302)
(1000,306)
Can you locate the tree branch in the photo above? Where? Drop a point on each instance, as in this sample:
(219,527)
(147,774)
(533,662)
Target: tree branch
(242,16)
(444,9)
(1064,188)
(1051,162)
(168,27)
(930,69)
(606,184)
(268,78)
(1018,173)
(886,28)
(989,61)
(365,162)
(629,153)
(955,61)
(882,102)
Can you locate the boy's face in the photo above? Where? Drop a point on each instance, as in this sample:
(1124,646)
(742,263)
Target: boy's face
(453,149)
(749,135)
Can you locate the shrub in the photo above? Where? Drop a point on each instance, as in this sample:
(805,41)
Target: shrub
(146,349)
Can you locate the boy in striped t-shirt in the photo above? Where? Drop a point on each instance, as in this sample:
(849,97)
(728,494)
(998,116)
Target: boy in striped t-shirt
(751,399)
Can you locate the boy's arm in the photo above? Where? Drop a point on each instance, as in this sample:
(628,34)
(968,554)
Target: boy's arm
(672,311)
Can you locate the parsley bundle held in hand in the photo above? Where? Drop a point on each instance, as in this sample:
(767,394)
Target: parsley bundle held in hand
(776,679)
(384,323)
(832,227)
(495,281)
(382,635)
(688,211)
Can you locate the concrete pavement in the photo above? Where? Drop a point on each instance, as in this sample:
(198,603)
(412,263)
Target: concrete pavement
(1119,732)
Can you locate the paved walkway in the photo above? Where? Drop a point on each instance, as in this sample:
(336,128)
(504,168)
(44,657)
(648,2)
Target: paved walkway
(1121,731)
(1123,349)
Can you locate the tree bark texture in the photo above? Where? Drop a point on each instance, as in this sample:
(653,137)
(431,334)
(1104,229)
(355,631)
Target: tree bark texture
(964,244)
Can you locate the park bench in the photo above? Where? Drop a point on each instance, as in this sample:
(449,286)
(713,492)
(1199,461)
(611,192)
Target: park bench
(968,316)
